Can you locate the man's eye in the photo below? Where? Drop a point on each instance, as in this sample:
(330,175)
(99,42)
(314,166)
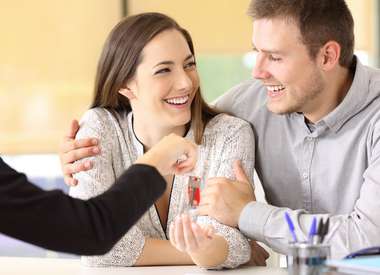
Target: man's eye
(164,70)
(190,65)
(273,58)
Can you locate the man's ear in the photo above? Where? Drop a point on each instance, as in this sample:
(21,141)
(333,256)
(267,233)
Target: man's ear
(329,55)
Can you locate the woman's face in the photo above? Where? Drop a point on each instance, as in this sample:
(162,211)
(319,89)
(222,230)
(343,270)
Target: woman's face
(165,82)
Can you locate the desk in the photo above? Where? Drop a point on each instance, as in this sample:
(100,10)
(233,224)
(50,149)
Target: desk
(50,266)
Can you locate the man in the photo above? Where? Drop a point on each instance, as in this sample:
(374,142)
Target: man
(315,110)
(316,115)
(56,221)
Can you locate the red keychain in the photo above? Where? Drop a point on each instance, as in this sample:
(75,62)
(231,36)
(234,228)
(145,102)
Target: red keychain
(194,191)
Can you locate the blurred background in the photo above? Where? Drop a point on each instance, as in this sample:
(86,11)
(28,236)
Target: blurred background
(48,57)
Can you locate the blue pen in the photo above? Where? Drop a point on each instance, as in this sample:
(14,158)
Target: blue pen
(291,226)
(313,230)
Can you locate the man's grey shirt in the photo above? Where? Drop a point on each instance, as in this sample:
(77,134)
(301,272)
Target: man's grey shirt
(333,170)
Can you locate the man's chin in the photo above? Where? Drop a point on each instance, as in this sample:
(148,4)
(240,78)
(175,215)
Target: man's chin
(279,109)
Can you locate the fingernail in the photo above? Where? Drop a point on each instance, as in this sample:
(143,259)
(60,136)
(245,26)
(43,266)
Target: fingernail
(94,141)
(96,150)
(87,165)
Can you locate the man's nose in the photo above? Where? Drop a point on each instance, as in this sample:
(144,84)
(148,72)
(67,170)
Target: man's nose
(259,70)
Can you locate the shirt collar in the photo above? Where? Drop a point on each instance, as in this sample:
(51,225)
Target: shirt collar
(353,101)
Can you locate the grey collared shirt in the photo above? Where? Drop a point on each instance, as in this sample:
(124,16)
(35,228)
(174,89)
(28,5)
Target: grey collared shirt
(332,171)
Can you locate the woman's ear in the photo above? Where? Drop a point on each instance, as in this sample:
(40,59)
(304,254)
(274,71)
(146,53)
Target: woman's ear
(128,93)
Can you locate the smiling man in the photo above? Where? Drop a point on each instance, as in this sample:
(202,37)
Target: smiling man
(315,110)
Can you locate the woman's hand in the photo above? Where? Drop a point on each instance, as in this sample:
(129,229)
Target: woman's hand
(190,237)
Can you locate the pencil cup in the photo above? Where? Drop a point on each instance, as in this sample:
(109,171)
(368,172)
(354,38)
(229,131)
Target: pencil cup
(307,259)
(190,197)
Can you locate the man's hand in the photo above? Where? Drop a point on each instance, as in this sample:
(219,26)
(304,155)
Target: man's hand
(224,199)
(72,150)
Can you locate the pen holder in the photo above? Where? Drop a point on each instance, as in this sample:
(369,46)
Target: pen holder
(307,259)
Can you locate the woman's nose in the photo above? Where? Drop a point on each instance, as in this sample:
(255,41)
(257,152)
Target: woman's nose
(184,81)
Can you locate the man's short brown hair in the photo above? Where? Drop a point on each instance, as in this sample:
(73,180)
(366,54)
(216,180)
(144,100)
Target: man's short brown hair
(319,21)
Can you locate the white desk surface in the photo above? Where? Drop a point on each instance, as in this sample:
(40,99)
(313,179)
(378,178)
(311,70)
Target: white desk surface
(42,266)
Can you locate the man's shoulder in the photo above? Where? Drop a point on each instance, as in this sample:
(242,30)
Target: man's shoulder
(244,99)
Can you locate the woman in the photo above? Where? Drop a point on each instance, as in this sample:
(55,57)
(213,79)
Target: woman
(147,87)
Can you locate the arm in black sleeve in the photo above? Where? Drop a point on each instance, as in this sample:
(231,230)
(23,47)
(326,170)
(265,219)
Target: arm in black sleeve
(53,220)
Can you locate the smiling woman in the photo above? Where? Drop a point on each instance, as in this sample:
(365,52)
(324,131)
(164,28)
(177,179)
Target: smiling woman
(147,87)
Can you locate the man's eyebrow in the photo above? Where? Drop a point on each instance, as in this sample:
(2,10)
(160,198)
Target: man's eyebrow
(167,62)
(265,51)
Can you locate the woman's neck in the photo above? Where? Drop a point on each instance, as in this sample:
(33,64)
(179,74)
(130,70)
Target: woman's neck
(149,134)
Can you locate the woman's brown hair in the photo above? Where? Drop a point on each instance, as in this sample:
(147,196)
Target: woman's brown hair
(122,54)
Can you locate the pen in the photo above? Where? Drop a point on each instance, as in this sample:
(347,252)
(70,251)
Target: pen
(313,230)
(291,226)
(325,229)
(369,251)
(320,230)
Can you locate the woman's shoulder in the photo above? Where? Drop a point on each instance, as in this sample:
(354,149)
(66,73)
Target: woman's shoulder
(225,123)
(96,114)
(100,120)
(102,117)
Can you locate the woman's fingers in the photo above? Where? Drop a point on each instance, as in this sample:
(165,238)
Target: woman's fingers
(178,235)
(188,236)
(190,239)
(171,234)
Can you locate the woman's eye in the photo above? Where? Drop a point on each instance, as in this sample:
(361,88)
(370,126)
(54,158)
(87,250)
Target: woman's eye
(164,70)
(190,65)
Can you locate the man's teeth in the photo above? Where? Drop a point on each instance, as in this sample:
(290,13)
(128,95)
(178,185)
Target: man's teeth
(276,88)
(178,100)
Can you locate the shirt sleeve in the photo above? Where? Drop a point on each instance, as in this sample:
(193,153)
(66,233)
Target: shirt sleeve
(356,230)
(239,145)
(97,180)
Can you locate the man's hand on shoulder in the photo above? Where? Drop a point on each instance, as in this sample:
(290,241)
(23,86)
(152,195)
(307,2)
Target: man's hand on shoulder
(72,150)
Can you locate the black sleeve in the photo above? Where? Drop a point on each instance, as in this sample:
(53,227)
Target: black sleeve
(54,220)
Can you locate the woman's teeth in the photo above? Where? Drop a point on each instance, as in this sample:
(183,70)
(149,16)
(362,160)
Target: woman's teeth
(178,100)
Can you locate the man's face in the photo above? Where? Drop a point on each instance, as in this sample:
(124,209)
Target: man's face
(294,81)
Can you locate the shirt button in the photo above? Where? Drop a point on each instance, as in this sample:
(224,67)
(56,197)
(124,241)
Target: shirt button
(305,175)
(309,138)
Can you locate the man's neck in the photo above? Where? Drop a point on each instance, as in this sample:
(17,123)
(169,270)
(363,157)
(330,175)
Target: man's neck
(337,87)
